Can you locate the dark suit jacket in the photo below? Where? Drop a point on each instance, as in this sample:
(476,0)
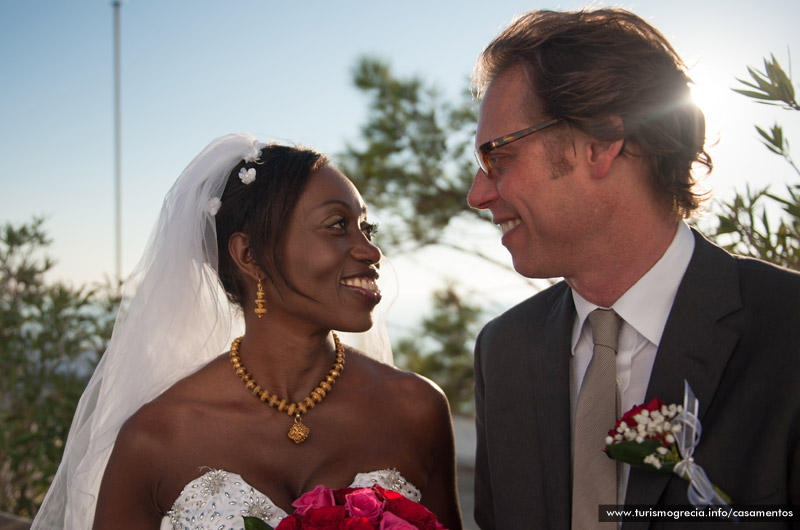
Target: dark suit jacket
(733,333)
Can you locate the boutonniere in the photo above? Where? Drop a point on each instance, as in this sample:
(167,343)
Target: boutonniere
(662,438)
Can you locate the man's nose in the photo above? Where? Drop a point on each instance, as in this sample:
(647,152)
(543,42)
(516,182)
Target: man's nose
(482,192)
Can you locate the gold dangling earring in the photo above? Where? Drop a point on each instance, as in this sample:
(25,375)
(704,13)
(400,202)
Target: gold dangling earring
(260,310)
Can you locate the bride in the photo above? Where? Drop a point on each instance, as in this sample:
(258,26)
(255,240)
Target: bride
(173,433)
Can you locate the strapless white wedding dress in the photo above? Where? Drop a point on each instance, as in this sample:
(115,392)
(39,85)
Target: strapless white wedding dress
(218,500)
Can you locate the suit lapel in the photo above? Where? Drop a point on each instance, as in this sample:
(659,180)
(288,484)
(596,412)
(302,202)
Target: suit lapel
(694,347)
(550,368)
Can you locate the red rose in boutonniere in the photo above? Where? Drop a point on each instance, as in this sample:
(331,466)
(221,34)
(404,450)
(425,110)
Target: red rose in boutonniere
(662,438)
(645,437)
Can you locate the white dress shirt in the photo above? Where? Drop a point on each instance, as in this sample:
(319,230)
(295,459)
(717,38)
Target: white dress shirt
(644,308)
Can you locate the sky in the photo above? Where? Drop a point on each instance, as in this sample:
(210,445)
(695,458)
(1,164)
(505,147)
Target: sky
(195,70)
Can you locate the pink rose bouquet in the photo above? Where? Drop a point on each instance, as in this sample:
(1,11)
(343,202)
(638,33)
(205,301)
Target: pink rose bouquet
(372,508)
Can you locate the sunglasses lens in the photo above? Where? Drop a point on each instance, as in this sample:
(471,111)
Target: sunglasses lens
(482,162)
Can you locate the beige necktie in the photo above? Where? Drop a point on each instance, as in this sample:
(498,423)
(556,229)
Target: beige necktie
(594,475)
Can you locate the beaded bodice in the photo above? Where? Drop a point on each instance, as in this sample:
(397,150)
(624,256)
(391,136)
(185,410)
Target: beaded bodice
(218,499)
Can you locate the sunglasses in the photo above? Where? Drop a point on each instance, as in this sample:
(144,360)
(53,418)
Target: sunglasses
(482,152)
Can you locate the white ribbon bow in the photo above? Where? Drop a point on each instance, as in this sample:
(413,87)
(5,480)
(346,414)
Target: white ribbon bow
(701,491)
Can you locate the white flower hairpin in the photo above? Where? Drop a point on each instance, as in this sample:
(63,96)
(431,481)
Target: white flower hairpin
(247,176)
(253,153)
(214,205)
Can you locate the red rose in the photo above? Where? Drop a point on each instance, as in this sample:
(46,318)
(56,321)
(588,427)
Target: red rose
(340,495)
(319,497)
(358,523)
(653,405)
(324,518)
(413,512)
(364,503)
(392,522)
(291,522)
(386,495)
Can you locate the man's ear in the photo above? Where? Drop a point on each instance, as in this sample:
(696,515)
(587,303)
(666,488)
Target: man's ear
(239,248)
(602,154)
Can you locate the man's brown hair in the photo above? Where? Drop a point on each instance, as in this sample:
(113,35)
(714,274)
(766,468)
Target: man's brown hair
(589,67)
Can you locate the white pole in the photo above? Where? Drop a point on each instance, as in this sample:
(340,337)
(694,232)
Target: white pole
(117,146)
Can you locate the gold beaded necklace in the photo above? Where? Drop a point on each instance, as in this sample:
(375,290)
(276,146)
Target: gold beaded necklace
(299,432)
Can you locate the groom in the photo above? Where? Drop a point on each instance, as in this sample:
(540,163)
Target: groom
(585,141)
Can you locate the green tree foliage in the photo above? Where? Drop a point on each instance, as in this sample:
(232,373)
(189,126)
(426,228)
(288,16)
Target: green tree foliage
(745,224)
(443,349)
(414,158)
(413,163)
(771,87)
(50,339)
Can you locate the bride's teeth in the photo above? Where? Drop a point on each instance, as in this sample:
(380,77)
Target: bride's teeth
(363,283)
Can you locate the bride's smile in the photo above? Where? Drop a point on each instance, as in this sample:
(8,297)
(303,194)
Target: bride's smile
(364,284)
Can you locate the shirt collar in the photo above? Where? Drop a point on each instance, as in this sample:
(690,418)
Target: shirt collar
(647,304)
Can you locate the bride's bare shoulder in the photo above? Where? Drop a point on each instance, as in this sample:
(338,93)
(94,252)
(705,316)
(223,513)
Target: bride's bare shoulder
(179,407)
(400,388)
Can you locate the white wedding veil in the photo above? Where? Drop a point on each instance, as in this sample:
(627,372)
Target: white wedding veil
(174,318)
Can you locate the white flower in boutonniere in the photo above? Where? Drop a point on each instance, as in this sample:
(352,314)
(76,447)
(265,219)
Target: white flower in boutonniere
(247,176)
(662,438)
(214,205)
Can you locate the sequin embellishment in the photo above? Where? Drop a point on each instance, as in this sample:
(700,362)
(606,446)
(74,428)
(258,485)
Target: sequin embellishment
(218,499)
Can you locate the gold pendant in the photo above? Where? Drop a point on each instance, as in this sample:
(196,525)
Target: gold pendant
(299,432)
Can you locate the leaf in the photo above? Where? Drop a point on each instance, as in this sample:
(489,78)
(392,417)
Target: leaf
(634,453)
(726,225)
(780,80)
(254,523)
(772,86)
(754,95)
